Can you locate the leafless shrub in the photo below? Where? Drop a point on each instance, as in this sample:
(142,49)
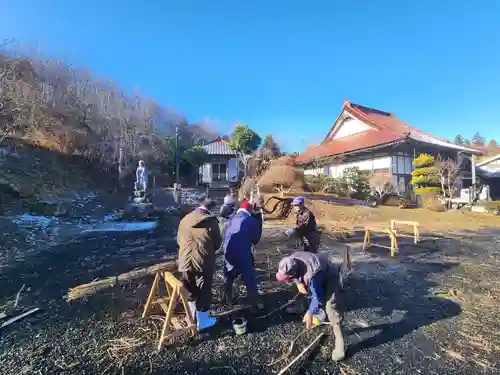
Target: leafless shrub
(381,185)
(448,171)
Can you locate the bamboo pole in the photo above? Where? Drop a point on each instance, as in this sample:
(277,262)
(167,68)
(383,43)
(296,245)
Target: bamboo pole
(285,369)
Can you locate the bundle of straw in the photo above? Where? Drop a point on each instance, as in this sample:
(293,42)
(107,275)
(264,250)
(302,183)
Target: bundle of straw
(89,289)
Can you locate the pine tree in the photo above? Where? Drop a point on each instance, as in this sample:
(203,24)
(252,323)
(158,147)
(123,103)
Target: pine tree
(425,177)
(477,139)
(459,140)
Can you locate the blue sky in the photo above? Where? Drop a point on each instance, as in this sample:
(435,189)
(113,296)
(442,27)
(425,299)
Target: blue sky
(284,67)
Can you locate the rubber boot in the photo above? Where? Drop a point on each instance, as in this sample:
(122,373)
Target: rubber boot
(338,353)
(228,294)
(203,320)
(192,310)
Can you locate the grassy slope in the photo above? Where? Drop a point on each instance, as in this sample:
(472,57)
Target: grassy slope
(41,173)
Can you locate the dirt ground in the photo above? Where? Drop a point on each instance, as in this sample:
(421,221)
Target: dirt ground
(430,309)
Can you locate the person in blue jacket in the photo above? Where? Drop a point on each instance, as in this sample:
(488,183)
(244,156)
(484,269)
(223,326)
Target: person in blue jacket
(321,278)
(241,233)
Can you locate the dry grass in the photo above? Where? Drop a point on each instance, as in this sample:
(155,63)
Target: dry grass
(34,171)
(334,217)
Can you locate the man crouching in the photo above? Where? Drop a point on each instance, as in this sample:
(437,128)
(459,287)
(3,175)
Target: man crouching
(199,238)
(321,278)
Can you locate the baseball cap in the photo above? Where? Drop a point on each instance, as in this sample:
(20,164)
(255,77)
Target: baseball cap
(286,269)
(297,200)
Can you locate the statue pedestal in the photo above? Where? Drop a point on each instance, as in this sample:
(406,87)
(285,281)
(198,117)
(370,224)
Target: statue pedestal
(177,194)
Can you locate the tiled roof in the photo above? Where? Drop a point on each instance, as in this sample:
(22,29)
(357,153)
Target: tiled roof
(385,129)
(218,147)
(488,160)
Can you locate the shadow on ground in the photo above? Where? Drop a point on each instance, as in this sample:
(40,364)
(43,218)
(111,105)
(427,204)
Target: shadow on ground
(398,299)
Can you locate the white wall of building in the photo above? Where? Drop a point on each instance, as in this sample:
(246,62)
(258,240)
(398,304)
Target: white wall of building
(337,170)
(397,165)
(493,166)
(350,126)
(232,170)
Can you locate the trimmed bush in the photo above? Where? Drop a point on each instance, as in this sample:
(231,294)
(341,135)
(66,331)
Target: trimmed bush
(426,180)
(424,160)
(428,190)
(323,183)
(357,183)
(425,170)
(279,177)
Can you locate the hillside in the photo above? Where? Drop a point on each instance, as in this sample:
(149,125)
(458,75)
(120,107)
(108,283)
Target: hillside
(61,128)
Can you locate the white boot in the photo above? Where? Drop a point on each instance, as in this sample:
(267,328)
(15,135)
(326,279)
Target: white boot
(204,321)
(192,310)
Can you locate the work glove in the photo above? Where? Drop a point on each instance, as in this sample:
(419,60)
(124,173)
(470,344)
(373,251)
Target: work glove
(302,289)
(312,320)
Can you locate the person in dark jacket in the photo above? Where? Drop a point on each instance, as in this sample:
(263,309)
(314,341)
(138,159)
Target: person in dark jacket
(199,238)
(229,205)
(241,233)
(306,230)
(322,279)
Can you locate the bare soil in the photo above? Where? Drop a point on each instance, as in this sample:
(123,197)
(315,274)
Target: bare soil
(430,309)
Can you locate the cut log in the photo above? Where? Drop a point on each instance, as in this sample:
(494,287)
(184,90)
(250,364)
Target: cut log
(89,289)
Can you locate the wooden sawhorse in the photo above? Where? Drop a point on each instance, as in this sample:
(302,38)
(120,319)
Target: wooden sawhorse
(392,235)
(414,224)
(175,292)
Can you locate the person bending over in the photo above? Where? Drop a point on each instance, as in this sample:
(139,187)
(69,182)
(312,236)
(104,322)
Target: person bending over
(321,279)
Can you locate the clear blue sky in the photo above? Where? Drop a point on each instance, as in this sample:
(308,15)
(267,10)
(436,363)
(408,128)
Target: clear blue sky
(284,67)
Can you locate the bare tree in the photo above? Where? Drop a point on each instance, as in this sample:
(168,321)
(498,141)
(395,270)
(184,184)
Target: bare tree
(381,185)
(448,171)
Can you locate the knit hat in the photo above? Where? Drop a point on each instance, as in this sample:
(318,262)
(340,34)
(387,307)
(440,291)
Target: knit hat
(245,205)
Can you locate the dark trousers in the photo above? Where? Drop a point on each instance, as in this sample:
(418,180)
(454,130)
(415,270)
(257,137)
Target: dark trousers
(247,272)
(312,243)
(199,288)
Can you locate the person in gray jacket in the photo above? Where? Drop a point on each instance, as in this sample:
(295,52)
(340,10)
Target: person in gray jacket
(321,278)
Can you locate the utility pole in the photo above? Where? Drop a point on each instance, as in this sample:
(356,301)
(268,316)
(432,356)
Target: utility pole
(177,156)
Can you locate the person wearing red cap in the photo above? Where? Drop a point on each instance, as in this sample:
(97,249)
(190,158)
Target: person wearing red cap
(241,233)
(319,277)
